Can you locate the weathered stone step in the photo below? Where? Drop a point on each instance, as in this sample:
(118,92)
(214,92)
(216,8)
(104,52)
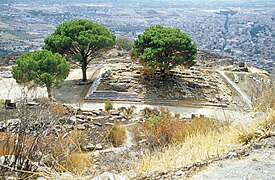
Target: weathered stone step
(113,96)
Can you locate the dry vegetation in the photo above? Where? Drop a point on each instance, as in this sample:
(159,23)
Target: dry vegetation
(170,142)
(204,139)
(205,144)
(265,100)
(160,128)
(32,140)
(116,134)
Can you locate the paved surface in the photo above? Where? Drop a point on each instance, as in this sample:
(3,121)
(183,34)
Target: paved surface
(213,112)
(242,95)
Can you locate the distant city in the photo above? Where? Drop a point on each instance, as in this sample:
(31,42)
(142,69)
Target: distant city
(242,30)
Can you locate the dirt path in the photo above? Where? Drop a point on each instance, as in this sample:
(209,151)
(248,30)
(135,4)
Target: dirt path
(260,164)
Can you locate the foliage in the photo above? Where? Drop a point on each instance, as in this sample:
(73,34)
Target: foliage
(125,43)
(148,112)
(81,40)
(42,68)
(108,105)
(160,128)
(163,48)
(117,134)
(128,111)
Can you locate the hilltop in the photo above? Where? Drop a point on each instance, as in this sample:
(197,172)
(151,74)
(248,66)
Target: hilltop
(118,139)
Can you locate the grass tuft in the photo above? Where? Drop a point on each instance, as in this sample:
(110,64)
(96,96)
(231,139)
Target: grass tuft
(108,105)
(264,101)
(117,134)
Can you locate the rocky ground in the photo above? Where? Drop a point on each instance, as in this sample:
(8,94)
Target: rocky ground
(254,162)
(195,85)
(198,87)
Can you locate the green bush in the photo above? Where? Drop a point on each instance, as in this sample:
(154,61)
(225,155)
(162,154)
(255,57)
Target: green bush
(108,105)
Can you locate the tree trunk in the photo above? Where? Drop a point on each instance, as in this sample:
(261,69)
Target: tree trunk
(84,69)
(162,71)
(50,96)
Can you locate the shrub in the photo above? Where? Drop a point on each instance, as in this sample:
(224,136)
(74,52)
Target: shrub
(30,141)
(58,108)
(262,128)
(148,112)
(264,101)
(116,134)
(108,105)
(177,115)
(128,111)
(65,153)
(160,128)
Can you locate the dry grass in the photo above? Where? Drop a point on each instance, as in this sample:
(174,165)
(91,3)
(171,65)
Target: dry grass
(205,142)
(116,134)
(261,129)
(195,148)
(147,71)
(58,108)
(66,152)
(8,144)
(161,128)
(77,162)
(265,100)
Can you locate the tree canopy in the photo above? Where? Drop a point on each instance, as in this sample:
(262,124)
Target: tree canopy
(42,68)
(163,48)
(80,40)
(125,43)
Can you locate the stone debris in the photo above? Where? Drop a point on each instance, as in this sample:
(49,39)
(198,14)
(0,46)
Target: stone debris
(109,176)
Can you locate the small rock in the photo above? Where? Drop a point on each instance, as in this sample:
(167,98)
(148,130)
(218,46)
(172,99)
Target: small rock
(111,119)
(142,141)
(80,117)
(96,112)
(98,146)
(81,127)
(117,117)
(97,124)
(69,126)
(114,112)
(100,118)
(109,176)
(67,176)
(92,126)
(90,147)
(109,124)
(232,154)
(41,178)
(72,119)
(180,173)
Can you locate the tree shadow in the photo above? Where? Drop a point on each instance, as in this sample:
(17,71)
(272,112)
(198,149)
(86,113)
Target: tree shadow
(169,87)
